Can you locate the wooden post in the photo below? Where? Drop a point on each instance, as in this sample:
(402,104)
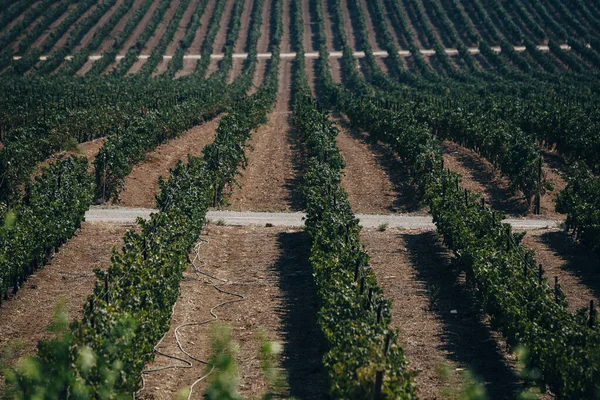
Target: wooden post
(377,393)
(541,273)
(379,311)
(538,195)
(556,289)
(356,271)
(362,285)
(592,314)
(386,345)
(482,204)
(106,298)
(92,312)
(370,295)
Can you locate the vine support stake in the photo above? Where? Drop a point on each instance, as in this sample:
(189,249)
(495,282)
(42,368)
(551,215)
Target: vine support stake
(556,289)
(540,273)
(379,310)
(592,320)
(106,298)
(538,195)
(362,285)
(377,392)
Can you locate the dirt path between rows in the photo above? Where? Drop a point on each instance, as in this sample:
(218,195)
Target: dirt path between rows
(369,188)
(189,66)
(310,27)
(156,36)
(268,266)
(386,177)
(15,43)
(240,44)
(348,28)
(237,65)
(479,176)
(88,36)
(142,183)
(259,75)
(265,28)
(328,28)
(24,318)
(577,271)
(38,42)
(20,16)
(108,42)
(440,328)
(270,180)
(286,45)
(312,78)
(63,40)
(175,43)
(221,37)
(372,36)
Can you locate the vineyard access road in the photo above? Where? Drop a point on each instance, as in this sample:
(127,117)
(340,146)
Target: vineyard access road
(122,215)
(333,54)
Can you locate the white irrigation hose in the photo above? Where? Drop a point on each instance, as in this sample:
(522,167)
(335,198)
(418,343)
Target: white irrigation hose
(189,364)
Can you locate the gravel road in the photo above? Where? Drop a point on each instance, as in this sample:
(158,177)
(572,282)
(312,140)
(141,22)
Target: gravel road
(122,215)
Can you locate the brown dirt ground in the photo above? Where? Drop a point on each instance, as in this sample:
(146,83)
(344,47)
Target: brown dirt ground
(411,28)
(348,28)
(479,176)
(69,276)
(372,36)
(86,68)
(328,27)
(577,272)
(155,38)
(385,164)
(263,41)
(38,42)
(367,184)
(142,183)
(269,267)
(189,66)
(415,273)
(311,76)
(336,71)
(259,75)
(221,37)
(88,37)
(240,44)
(237,66)
(108,42)
(286,45)
(63,40)
(20,17)
(310,27)
(15,43)
(268,182)
(162,66)
(187,16)
(393,32)
(139,28)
